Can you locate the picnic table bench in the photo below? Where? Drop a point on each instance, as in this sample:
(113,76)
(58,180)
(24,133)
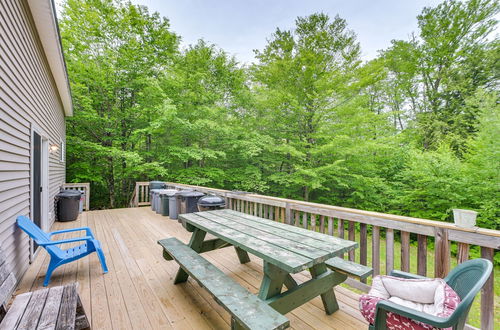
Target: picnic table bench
(56,308)
(285,250)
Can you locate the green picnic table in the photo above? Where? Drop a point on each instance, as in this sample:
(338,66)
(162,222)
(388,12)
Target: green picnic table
(284,249)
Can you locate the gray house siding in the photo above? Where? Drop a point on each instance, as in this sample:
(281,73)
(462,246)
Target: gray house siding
(28,99)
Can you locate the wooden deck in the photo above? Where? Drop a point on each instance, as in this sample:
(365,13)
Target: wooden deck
(138,291)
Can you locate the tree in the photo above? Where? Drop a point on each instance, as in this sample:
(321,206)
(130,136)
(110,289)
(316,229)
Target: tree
(301,77)
(113,50)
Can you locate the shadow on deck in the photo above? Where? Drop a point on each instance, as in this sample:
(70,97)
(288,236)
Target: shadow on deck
(138,291)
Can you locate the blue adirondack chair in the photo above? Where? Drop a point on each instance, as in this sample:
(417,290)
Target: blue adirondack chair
(60,257)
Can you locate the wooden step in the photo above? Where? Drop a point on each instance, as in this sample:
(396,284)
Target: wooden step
(349,268)
(247,309)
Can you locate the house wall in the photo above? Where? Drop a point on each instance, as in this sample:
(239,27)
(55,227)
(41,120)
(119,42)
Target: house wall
(28,99)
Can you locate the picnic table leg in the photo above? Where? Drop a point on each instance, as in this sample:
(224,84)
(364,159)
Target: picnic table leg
(195,243)
(290,282)
(242,255)
(272,282)
(329,300)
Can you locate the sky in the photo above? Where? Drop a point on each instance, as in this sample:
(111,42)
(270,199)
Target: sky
(240,26)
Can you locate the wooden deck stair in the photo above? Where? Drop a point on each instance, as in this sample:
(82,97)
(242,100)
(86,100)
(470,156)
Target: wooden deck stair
(138,291)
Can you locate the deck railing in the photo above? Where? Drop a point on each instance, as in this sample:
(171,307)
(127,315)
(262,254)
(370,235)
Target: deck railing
(83,187)
(140,196)
(345,222)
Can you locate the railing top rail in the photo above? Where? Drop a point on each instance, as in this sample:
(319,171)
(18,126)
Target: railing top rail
(318,207)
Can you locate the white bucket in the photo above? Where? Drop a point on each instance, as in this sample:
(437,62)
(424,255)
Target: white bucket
(464,218)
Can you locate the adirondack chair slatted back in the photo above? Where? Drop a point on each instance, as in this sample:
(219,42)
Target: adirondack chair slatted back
(32,230)
(38,235)
(7,279)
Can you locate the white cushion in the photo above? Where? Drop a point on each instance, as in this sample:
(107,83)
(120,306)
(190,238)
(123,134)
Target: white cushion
(425,295)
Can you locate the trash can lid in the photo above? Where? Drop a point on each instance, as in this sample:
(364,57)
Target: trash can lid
(180,192)
(191,194)
(211,201)
(157,184)
(168,192)
(69,193)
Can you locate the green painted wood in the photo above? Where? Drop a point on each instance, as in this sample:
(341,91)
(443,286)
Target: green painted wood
(290,282)
(328,297)
(335,246)
(208,245)
(247,309)
(291,229)
(213,244)
(278,238)
(283,258)
(297,237)
(242,255)
(304,292)
(272,281)
(195,244)
(349,268)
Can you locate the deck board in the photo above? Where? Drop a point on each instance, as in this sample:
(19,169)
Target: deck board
(138,291)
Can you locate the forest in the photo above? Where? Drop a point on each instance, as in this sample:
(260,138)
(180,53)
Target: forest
(414,131)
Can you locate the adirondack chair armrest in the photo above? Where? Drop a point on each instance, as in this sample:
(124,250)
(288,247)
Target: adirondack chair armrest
(69,240)
(402,274)
(87,230)
(385,306)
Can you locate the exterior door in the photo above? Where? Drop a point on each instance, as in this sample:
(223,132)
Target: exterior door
(37,188)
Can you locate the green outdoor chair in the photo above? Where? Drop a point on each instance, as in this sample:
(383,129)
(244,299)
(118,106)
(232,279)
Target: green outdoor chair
(466,279)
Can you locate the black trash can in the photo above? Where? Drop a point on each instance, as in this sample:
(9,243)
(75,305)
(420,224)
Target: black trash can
(189,201)
(68,205)
(211,202)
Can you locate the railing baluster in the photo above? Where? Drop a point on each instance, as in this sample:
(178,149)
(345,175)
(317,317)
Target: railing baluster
(261,211)
(363,244)
(304,220)
(376,250)
(352,237)
(389,250)
(405,251)
(322,224)
(341,232)
(340,229)
(288,214)
(422,255)
(463,252)
(330,226)
(297,218)
(313,222)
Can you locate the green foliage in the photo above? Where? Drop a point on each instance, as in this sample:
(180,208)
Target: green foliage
(413,132)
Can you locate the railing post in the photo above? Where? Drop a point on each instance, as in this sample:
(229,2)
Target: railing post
(441,253)
(136,197)
(487,293)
